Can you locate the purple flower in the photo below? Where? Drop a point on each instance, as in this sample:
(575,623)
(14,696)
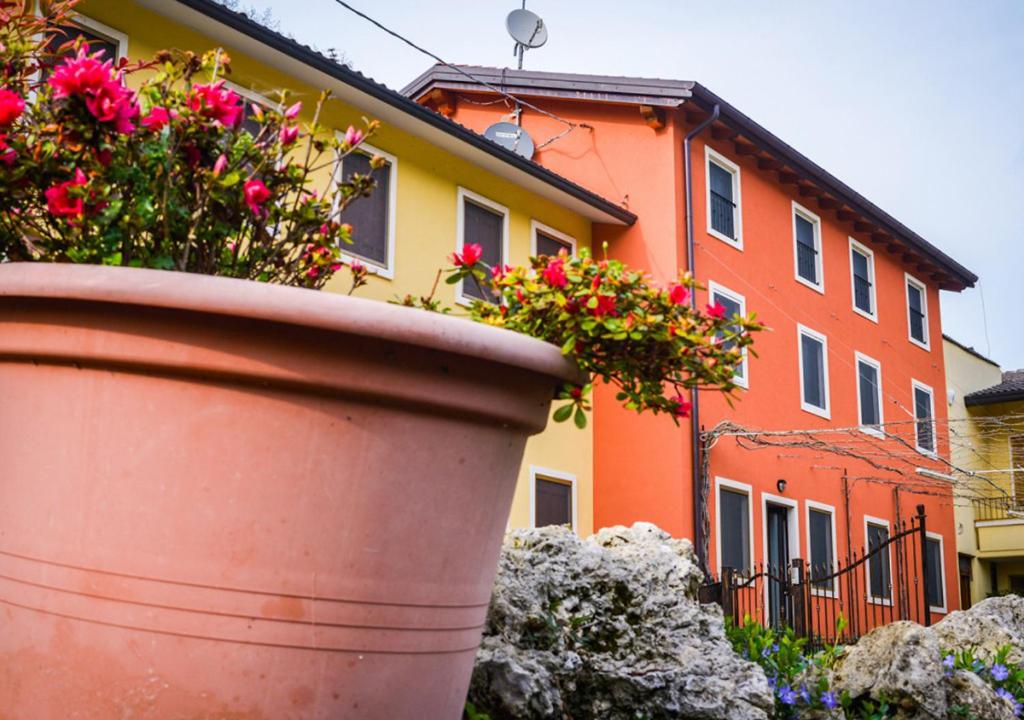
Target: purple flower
(805,694)
(948,661)
(773,681)
(829,700)
(1008,697)
(999,672)
(787,696)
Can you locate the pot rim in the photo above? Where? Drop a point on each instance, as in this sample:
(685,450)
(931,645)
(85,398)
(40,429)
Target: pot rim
(254,300)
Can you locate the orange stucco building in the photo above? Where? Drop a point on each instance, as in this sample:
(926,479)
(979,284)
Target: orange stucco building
(850,294)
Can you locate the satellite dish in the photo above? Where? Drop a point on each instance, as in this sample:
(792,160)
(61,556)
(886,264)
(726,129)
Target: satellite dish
(526,28)
(511,136)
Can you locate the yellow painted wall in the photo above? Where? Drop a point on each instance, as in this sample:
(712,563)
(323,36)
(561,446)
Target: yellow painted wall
(978,449)
(427,179)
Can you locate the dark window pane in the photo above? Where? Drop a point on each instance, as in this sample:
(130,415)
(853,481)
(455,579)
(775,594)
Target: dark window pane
(732,309)
(923,414)
(861,281)
(936,595)
(734,529)
(916,302)
(879,578)
(814,371)
(552,503)
(253,126)
(368,216)
(806,250)
(723,205)
(1017,467)
(547,245)
(483,227)
(69,33)
(821,548)
(867,378)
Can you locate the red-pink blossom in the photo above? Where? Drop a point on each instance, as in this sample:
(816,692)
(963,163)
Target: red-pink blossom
(293,112)
(605,306)
(216,102)
(60,202)
(678,294)
(158,118)
(256,193)
(12,105)
(220,165)
(353,136)
(288,135)
(681,406)
(554,274)
(7,154)
(105,96)
(470,255)
(716,311)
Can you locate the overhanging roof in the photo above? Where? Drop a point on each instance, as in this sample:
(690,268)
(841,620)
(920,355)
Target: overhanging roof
(772,153)
(297,60)
(1011,389)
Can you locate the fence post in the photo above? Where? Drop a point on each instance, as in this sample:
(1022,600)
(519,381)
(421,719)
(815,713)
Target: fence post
(728,602)
(798,599)
(924,565)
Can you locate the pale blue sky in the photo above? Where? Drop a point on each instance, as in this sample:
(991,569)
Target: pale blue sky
(917,105)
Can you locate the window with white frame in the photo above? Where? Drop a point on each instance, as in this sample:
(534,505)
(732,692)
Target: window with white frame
(879,569)
(723,184)
(112,44)
(924,417)
(481,222)
(552,498)
(807,248)
(813,371)
(735,306)
(1017,467)
(546,240)
(733,520)
(935,583)
(869,393)
(862,277)
(821,545)
(372,218)
(917,311)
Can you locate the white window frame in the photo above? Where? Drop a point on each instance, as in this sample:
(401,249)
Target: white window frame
(739,487)
(96,27)
(800,210)
(908,281)
(536,226)
(386,271)
(878,522)
(711,156)
(859,358)
(830,510)
(916,385)
(942,573)
(544,473)
(463,195)
(870,255)
(251,95)
(802,330)
(715,288)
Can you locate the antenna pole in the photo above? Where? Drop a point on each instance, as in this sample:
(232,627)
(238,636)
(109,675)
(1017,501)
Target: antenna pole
(520,47)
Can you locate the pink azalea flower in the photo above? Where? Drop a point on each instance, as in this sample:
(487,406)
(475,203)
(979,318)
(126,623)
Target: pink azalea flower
(216,102)
(293,112)
(105,95)
(220,165)
(716,311)
(60,203)
(7,154)
(256,193)
(470,255)
(554,274)
(353,136)
(158,118)
(288,135)
(12,105)
(605,306)
(682,406)
(679,294)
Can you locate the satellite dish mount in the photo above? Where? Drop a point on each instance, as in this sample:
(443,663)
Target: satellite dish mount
(527,29)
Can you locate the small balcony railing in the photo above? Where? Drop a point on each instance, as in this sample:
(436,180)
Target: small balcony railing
(807,262)
(917,324)
(862,293)
(723,215)
(998,508)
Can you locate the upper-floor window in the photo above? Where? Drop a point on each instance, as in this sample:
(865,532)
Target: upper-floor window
(862,274)
(485,223)
(101,38)
(548,241)
(924,417)
(917,311)
(1017,467)
(554,498)
(735,305)
(373,217)
(723,183)
(869,393)
(813,371)
(807,248)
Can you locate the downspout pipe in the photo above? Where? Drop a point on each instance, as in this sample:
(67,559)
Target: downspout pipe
(699,540)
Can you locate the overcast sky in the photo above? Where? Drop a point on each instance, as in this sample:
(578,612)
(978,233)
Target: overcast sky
(917,105)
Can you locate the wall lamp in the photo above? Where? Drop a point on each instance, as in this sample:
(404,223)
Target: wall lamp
(781,485)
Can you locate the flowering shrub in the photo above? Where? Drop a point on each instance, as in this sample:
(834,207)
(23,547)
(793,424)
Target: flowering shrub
(1005,677)
(648,341)
(164,176)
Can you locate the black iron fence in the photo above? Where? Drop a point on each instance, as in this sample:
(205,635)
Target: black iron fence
(884,582)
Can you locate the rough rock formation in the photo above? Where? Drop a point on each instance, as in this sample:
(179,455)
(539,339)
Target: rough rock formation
(608,627)
(986,626)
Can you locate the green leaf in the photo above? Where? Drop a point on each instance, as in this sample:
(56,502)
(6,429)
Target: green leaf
(452,279)
(569,345)
(580,418)
(562,414)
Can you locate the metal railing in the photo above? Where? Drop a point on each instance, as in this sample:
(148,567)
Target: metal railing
(881,584)
(917,324)
(998,508)
(723,215)
(807,262)
(862,293)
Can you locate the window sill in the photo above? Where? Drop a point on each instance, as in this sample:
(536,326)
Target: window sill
(873,317)
(735,243)
(814,410)
(372,268)
(926,346)
(873,431)
(819,287)
(879,601)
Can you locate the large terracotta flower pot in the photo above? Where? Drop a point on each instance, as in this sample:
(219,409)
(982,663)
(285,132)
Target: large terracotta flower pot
(222,499)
